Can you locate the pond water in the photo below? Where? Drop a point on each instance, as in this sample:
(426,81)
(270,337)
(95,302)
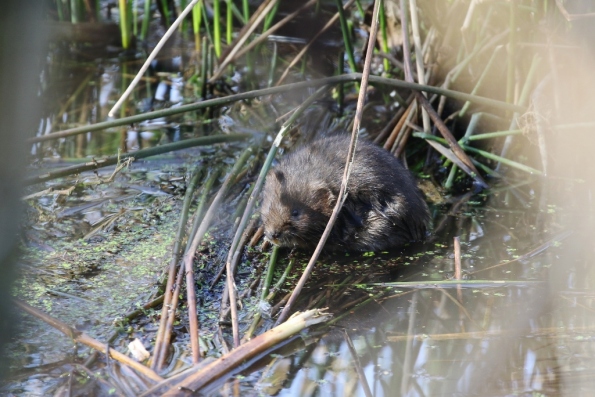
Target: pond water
(521,323)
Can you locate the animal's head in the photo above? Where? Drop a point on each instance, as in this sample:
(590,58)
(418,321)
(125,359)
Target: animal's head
(295,211)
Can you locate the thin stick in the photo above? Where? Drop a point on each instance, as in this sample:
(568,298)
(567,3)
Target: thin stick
(128,316)
(457,249)
(446,152)
(234,252)
(300,54)
(463,283)
(407,360)
(204,63)
(404,133)
(496,134)
(189,255)
(384,41)
(524,97)
(192,312)
(479,100)
(553,332)
(161,348)
(482,77)
(358,365)
(348,166)
(170,147)
(190,293)
(346,36)
(459,68)
(419,58)
(426,104)
(390,127)
(475,118)
(245,33)
(217,26)
(175,258)
(152,56)
(196,378)
(510,80)
(265,291)
(397,129)
(85,339)
(215,280)
(202,202)
(483,153)
(281,280)
(266,34)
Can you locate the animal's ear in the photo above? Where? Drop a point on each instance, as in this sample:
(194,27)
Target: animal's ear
(323,195)
(279,175)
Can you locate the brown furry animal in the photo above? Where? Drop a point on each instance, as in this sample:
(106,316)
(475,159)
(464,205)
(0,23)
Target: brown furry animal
(384,208)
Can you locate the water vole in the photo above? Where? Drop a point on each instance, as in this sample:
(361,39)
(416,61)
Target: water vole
(384,208)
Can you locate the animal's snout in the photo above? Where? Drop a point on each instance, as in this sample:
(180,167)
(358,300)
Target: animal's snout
(272,235)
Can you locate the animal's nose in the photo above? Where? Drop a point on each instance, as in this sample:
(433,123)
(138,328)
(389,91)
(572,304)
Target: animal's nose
(272,235)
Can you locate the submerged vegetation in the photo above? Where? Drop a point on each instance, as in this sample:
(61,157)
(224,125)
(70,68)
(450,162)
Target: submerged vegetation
(172,248)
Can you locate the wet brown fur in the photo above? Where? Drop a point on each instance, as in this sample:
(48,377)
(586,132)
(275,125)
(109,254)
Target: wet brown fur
(384,208)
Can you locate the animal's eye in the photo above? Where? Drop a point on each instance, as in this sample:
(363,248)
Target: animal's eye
(295,213)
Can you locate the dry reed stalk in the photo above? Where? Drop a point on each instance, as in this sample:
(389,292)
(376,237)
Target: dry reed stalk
(348,165)
(81,337)
(273,29)
(303,51)
(176,253)
(243,36)
(164,332)
(457,150)
(403,113)
(195,379)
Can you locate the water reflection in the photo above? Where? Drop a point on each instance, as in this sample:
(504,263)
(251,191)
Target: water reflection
(78,92)
(513,340)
